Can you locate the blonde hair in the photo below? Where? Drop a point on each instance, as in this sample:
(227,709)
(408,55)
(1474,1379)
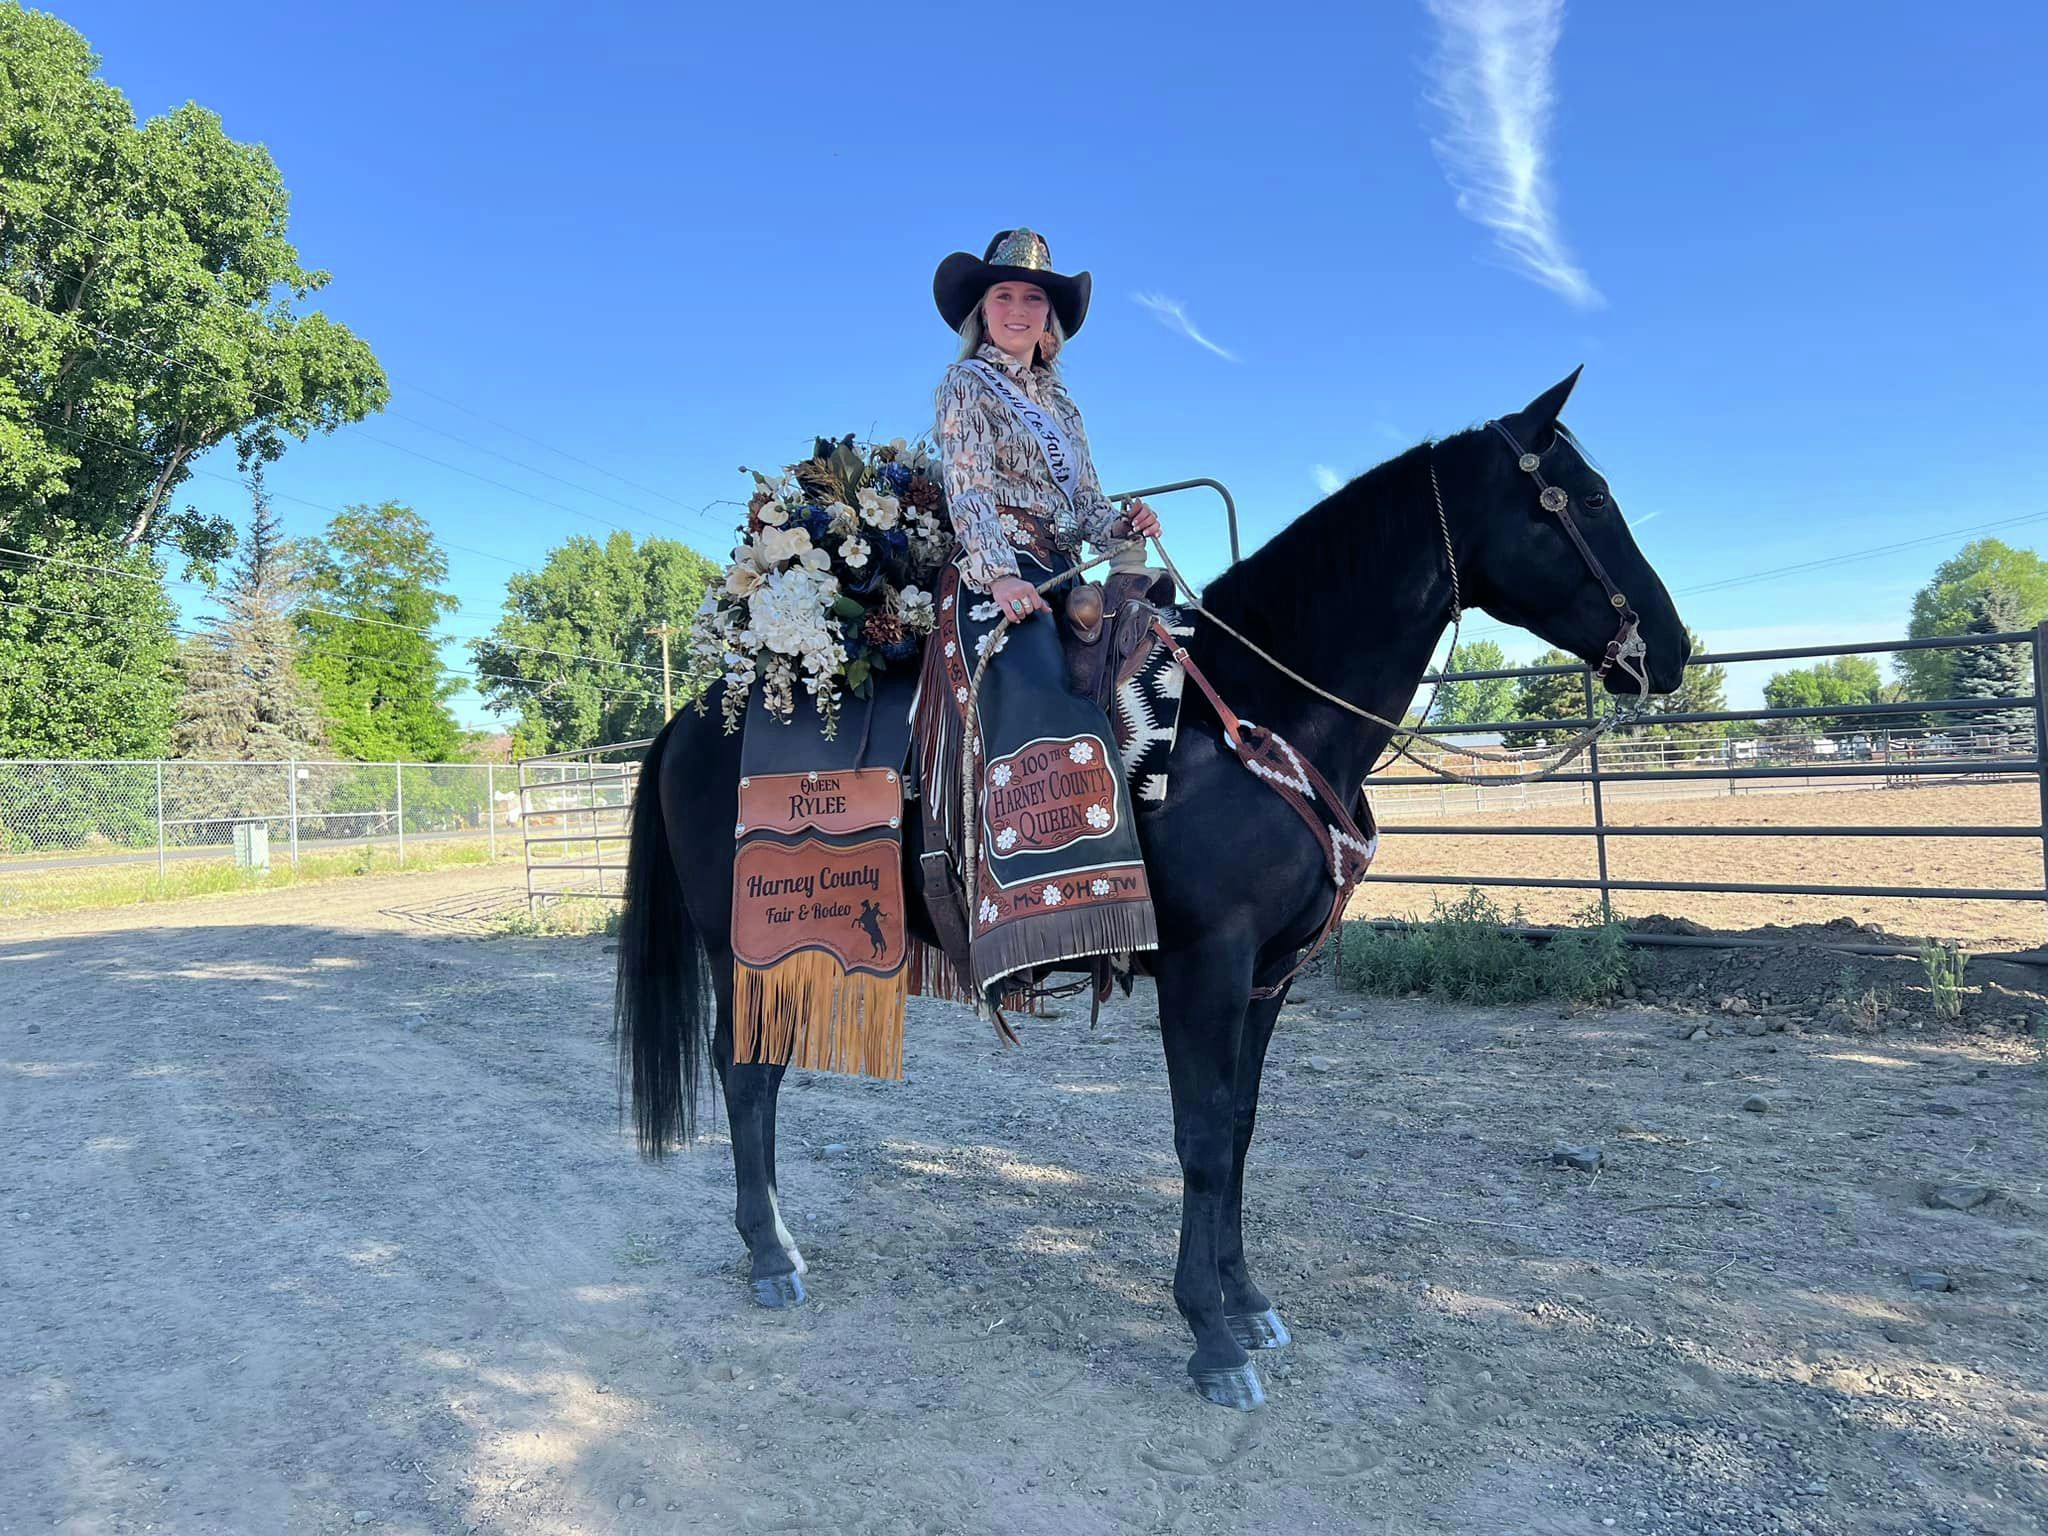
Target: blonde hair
(973,332)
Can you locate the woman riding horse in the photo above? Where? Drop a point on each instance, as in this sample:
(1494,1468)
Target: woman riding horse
(1056,880)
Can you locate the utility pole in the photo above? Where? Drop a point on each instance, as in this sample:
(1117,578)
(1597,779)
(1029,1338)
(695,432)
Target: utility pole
(662,632)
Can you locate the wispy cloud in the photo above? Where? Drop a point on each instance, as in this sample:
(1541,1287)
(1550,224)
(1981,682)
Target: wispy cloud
(1637,522)
(1491,78)
(1174,316)
(1328,481)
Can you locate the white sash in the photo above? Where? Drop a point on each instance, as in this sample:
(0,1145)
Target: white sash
(1041,423)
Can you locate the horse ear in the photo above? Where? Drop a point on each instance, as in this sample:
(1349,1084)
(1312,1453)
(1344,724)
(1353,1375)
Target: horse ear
(1534,424)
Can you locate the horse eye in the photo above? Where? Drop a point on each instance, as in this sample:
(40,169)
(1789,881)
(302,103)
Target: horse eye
(1597,500)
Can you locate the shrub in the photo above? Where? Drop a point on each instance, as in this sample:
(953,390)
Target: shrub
(1464,952)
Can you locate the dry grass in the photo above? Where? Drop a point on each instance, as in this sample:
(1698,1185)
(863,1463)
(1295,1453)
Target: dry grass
(2010,862)
(44,892)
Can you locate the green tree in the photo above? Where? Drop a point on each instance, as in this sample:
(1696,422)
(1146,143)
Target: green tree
(244,698)
(87,654)
(592,600)
(1475,703)
(147,293)
(1560,696)
(1946,605)
(1844,680)
(373,596)
(1993,671)
(1702,691)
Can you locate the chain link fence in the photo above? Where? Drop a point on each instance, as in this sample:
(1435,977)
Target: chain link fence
(63,812)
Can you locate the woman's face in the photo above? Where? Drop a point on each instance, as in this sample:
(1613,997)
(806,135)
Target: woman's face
(1015,316)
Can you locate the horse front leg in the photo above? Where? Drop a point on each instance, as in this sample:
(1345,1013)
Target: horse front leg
(750,1094)
(1202,998)
(1249,1315)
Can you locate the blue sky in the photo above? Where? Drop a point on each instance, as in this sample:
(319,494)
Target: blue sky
(1799,249)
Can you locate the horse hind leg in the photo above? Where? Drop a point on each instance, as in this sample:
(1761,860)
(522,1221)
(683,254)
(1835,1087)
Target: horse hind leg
(774,1263)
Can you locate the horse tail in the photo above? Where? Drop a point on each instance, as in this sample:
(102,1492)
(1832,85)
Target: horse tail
(661,1008)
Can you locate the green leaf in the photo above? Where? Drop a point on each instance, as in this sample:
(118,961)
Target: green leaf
(857,673)
(844,607)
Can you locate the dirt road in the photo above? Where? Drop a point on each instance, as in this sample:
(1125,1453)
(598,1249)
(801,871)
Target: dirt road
(315,1217)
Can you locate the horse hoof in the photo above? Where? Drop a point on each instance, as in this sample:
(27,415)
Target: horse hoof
(1235,1387)
(778,1292)
(1259,1330)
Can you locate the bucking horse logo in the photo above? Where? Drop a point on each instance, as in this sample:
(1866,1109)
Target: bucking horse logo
(870,919)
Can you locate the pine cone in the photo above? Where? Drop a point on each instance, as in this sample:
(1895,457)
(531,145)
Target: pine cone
(922,493)
(883,628)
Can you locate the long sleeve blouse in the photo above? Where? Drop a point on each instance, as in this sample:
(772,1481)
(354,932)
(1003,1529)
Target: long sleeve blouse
(988,462)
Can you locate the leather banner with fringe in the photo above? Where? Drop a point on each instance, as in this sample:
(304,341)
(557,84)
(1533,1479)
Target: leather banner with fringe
(819,937)
(1060,875)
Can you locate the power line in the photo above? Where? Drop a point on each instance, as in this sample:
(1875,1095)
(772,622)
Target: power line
(355,618)
(377,661)
(214,474)
(209,297)
(168,362)
(1825,562)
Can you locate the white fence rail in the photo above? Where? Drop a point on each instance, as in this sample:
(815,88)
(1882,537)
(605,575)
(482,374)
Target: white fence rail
(63,812)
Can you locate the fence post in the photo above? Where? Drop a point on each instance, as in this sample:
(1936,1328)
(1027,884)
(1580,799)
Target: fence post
(159,821)
(398,773)
(1599,807)
(491,806)
(291,782)
(2041,734)
(526,841)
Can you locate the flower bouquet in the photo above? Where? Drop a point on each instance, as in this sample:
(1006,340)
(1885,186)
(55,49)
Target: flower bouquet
(831,581)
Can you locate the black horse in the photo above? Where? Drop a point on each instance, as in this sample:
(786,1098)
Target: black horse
(1354,595)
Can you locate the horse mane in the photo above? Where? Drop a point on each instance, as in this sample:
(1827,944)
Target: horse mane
(1308,592)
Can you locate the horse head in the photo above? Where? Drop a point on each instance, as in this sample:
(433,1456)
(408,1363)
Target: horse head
(1529,489)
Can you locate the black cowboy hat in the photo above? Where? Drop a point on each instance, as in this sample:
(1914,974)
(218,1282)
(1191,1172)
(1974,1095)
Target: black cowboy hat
(1014,256)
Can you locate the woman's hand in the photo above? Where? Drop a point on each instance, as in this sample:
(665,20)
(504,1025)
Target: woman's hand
(1018,599)
(1143,521)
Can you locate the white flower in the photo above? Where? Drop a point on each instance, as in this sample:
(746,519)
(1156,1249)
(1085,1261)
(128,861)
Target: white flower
(989,912)
(986,613)
(960,694)
(991,640)
(775,545)
(816,560)
(1081,752)
(999,775)
(1050,895)
(951,648)
(843,518)
(1098,887)
(1006,839)
(742,578)
(774,515)
(854,552)
(915,607)
(1098,817)
(877,509)
(948,603)
(1012,529)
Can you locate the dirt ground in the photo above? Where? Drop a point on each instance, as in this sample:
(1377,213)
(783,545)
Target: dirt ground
(2012,863)
(318,1217)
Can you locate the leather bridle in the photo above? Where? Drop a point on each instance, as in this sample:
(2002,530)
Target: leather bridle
(1627,649)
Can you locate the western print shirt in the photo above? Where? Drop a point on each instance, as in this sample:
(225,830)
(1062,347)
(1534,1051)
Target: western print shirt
(989,462)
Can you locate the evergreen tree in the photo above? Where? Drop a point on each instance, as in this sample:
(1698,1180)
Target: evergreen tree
(1559,696)
(373,585)
(1993,671)
(244,698)
(1702,691)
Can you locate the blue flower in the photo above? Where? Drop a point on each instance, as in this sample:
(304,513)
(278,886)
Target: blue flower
(897,540)
(897,476)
